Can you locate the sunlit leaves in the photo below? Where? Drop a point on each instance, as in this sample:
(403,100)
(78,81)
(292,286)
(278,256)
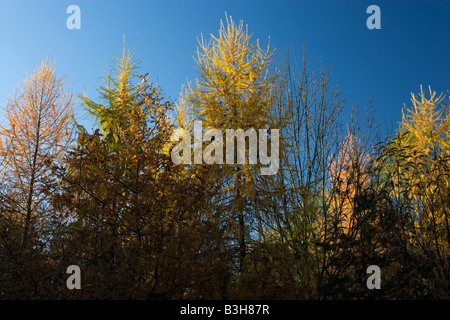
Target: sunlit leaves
(234,85)
(416,168)
(39,132)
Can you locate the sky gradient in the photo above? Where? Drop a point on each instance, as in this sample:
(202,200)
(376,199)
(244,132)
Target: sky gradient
(411,49)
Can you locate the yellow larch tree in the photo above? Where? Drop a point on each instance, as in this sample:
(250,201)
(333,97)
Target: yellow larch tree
(425,158)
(233,91)
(348,174)
(38,133)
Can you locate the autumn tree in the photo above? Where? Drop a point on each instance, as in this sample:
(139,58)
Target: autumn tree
(288,205)
(416,168)
(351,241)
(233,92)
(36,137)
(349,172)
(137,228)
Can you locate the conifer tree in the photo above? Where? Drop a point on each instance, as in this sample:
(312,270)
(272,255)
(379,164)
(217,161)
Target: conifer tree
(415,168)
(233,92)
(35,139)
(39,132)
(119,96)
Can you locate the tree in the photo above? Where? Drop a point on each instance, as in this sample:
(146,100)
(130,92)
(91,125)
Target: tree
(291,204)
(233,92)
(38,135)
(351,242)
(137,220)
(416,168)
(350,177)
(119,96)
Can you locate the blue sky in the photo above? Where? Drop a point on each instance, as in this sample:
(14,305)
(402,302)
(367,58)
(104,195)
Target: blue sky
(411,49)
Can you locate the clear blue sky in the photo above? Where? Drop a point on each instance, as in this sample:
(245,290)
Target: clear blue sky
(411,49)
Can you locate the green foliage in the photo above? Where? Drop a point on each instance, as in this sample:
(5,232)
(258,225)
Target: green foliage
(119,97)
